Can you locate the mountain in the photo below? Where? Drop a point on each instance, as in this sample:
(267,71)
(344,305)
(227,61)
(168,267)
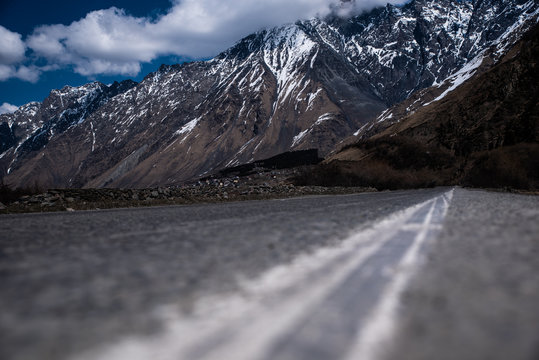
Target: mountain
(484,132)
(299,86)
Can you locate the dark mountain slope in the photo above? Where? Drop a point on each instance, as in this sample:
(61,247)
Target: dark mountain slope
(483,133)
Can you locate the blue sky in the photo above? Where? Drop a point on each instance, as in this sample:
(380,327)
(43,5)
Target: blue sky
(16,17)
(45,45)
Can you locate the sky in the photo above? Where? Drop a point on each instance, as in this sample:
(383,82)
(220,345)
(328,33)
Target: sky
(46,45)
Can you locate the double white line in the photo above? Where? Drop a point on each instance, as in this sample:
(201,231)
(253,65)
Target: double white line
(337,303)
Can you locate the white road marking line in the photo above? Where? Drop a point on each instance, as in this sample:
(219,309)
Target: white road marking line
(381,323)
(246,325)
(419,227)
(345,311)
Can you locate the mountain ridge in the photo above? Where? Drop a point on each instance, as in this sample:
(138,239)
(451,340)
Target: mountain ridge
(298,86)
(484,133)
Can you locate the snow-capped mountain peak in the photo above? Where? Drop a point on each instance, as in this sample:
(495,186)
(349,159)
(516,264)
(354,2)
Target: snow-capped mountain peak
(298,86)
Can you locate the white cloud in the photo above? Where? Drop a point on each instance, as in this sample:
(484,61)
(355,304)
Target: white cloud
(27,73)
(12,47)
(12,55)
(6,108)
(112,42)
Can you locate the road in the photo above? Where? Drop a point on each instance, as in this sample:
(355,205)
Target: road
(438,273)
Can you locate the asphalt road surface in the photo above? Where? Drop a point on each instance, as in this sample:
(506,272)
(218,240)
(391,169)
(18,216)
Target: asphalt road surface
(425,274)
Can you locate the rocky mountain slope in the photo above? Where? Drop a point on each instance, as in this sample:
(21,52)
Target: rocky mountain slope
(485,132)
(299,86)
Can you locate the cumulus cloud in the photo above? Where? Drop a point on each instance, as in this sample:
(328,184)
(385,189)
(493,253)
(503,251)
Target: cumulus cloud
(12,57)
(12,47)
(353,7)
(22,72)
(6,108)
(112,42)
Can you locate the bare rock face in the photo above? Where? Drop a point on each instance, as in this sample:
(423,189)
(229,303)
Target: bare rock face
(481,132)
(494,109)
(300,86)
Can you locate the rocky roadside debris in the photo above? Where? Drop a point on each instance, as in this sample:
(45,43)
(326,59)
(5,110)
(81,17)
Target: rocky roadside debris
(267,185)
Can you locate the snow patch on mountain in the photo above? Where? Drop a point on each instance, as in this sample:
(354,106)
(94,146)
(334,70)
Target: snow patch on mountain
(454,80)
(299,137)
(187,128)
